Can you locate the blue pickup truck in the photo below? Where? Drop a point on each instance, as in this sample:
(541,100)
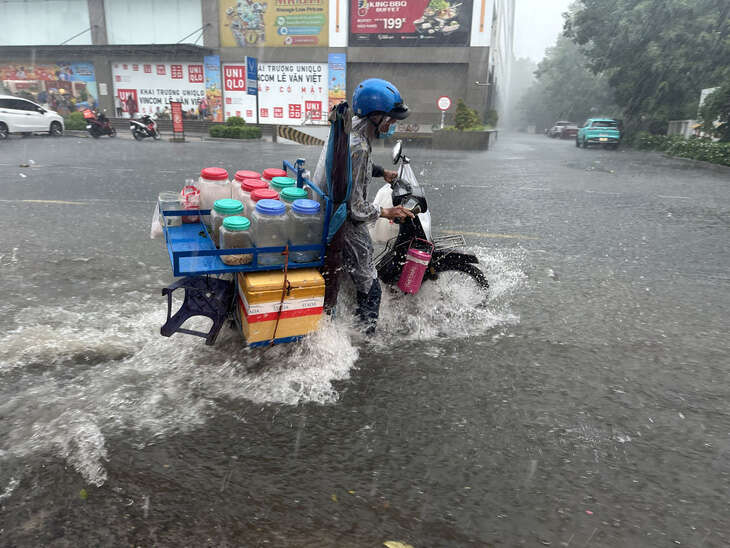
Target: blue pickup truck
(599,131)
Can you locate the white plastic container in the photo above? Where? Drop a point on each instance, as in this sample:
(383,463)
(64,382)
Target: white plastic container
(213,185)
(269,222)
(290,194)
(235,233)
(244,192)
(221,210)
(304,227)
(169,201)
(238,179)
(280,183)
(271,172)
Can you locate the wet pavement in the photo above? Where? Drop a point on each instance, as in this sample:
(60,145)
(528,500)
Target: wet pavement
(585,404)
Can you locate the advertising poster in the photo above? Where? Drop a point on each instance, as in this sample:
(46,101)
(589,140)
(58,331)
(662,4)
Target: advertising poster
(293,93)
(177,119)
(236,100)
(410,22)
(337,78)
(153,85)
(283,23)
(213,89)
(63,87)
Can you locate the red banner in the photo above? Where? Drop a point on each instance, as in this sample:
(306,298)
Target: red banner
(177,118)
(234,77)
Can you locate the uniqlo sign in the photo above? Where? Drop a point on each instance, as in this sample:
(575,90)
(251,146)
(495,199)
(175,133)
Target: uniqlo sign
(195,73)
(299,89)
(315,107)
(176,72)
(234,77)
(161,70)
(278,112)
(148,69)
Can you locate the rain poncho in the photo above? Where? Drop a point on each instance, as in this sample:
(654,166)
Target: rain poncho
(358,246)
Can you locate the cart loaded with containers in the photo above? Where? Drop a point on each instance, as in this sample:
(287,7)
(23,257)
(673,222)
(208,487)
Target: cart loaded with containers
(247,250)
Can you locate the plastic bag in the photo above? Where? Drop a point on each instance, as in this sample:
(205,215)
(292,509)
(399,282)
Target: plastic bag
(156,227)
(383,230)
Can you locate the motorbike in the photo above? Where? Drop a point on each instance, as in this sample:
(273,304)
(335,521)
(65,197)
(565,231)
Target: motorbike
(445,252)
(144,127)
(97,124)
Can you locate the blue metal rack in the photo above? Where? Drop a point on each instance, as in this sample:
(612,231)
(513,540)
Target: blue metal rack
(193,253)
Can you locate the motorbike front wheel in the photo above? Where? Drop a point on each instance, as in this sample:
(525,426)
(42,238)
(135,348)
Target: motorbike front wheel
(470,270)
(463,285)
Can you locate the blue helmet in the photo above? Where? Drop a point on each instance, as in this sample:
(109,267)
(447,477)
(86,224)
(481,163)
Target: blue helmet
(379,96)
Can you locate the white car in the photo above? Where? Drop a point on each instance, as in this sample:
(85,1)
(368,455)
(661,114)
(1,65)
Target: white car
(22,116)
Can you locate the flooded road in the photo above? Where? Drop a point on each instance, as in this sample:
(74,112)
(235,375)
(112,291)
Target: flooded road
(585,404)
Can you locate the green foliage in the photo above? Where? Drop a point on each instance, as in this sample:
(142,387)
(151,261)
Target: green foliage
(675,145)
(235,132)
(438,5)
(466,118)
(566,89)
(75,120)
(715,113)
(492,117)
(656,54)
(235,121)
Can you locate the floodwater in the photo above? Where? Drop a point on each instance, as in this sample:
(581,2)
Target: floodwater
(585,402)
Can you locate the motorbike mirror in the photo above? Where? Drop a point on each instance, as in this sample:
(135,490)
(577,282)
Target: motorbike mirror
(397,150)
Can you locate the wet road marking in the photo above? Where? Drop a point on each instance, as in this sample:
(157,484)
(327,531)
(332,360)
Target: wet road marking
(674,197)
(606,193)
(492,235)
(58,202)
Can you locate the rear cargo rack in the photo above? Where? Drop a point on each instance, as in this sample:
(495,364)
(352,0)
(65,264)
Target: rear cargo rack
(450,241)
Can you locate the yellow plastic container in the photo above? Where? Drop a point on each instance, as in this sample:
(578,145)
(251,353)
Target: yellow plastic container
(259,297)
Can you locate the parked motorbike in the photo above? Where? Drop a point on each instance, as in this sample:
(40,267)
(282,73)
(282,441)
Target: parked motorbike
(144,127)
(414,233)
(97,124)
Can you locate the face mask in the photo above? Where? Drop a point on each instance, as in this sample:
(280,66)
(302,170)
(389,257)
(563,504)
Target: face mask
(391,131)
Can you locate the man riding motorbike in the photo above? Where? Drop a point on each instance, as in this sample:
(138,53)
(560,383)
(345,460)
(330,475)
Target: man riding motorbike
(377,105)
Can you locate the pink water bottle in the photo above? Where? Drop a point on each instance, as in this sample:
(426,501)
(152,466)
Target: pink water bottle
(416,264)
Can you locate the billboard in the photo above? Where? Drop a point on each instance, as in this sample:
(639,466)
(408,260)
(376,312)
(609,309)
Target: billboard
(293,93)
(213,104)
(63,87)
(336,78)
(410,22)
(292,23)
(153,85)
(236,99)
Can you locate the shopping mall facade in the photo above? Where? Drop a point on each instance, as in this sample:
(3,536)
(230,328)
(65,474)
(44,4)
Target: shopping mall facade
(276,61)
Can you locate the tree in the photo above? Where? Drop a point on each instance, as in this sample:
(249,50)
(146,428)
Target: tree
(466,118)
(715,113)
(565,89)
(657,54)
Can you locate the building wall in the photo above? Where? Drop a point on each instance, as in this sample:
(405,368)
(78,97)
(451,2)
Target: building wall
(421,73)
(35,22)
(152,21)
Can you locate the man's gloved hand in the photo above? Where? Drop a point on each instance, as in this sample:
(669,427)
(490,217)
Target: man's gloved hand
(397,212)
(390,176)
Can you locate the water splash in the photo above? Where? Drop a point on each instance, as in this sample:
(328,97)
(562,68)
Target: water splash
(72,376)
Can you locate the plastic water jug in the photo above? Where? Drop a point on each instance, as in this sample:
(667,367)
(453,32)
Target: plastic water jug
(271,172)
(416,264)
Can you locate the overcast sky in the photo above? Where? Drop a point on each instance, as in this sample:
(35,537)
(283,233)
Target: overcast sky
(537,24)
